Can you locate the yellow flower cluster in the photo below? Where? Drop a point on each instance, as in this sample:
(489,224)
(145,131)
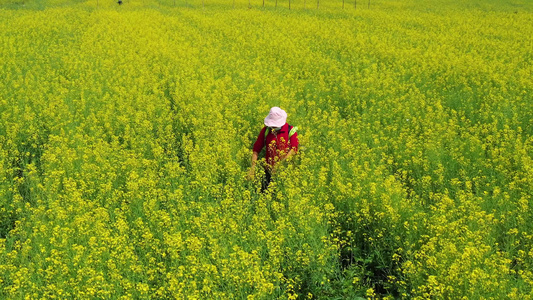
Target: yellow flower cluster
(126,135)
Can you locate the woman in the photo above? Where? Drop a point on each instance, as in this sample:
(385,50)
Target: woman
(280,139)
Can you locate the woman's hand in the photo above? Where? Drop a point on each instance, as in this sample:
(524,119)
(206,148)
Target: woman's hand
(251,173)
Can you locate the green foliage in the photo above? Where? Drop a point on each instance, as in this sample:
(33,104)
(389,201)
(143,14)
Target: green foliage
(126,135)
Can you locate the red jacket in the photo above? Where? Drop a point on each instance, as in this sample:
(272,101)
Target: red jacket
(279,143)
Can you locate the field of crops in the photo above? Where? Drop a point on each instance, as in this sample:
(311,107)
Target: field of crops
(126,135)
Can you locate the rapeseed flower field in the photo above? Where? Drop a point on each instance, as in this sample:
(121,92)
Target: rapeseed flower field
(126,134)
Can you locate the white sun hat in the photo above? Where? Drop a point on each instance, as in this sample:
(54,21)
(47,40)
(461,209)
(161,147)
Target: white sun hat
(276,117)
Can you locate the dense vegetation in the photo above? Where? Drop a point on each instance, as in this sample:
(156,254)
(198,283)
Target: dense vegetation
(126,135)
